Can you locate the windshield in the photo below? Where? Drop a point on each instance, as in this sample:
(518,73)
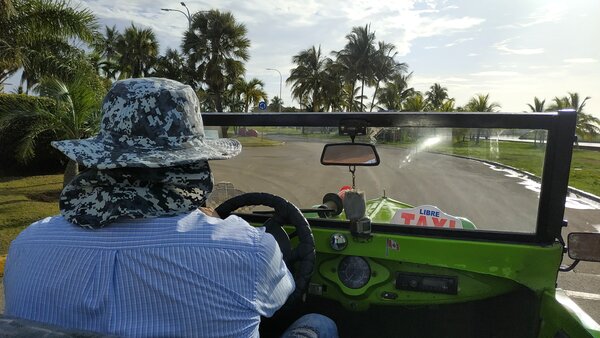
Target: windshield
(483,176)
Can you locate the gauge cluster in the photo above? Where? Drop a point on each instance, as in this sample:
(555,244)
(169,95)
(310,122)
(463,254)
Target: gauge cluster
(354,272)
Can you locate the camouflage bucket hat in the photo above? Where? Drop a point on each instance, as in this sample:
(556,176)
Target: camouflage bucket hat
(150,123)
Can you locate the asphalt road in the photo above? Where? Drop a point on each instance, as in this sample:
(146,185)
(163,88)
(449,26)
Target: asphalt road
(492,198)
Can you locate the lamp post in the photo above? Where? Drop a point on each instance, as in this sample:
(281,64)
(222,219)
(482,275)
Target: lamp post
(187,15)
(280,81)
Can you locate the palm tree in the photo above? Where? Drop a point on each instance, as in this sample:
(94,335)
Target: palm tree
(172,65)
(77,115)
(106,46)
(138,49)
(436,96)
(276,104)
(587,124)
(481,103)
(308,77)
(415,103)
(448,106)
(395,92)
(7,8)
(35,36)
(357,58)
(334,95)
(385,67)
(538,106)
(216,46)
(252,92)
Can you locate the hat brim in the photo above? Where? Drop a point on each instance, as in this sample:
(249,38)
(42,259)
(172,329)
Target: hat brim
(94,153)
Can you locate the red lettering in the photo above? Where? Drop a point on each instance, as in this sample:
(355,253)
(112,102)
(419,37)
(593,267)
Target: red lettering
(407,218)
(439,222)
(422,220)
(452,224)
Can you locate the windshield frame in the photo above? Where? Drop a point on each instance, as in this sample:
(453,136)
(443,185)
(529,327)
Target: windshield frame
(555,173)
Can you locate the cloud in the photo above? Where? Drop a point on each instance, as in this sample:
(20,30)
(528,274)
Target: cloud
(580,60)
(472,54)
(458,41)
(549,13)
(403,22)
(503,47)
(495,73)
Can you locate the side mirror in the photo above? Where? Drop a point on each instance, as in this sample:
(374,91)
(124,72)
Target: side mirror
(350,154)
(584,246)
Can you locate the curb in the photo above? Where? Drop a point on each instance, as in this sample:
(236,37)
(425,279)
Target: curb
(571,190)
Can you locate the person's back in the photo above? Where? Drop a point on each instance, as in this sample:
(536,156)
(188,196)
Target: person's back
(131,254)
(180,275)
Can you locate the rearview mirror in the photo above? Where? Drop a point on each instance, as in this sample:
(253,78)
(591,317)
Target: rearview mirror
(362,154)
(584,246)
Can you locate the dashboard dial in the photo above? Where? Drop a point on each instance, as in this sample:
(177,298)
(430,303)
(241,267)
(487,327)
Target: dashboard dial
(354,272)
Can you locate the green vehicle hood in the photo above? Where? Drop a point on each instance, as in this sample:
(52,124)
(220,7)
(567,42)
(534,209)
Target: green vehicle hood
(383,209)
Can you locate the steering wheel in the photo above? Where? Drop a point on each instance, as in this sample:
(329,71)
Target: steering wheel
(303,255)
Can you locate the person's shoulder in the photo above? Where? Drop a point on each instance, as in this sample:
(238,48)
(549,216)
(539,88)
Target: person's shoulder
(40,227)
(52,222)
(235,232)
(234,229)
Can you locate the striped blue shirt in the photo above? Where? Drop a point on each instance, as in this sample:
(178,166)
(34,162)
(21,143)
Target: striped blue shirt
(188,275)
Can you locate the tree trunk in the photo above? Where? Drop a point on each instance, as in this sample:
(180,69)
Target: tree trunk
(71,171)
(219,107)
(351,101)
(362,93)
(374,94)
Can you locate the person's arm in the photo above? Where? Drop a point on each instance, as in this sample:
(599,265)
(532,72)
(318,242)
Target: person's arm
(274,281)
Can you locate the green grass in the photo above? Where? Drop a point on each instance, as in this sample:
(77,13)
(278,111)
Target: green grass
(257,141)
(24,201)
(309,132)
(279,130)
(585,165)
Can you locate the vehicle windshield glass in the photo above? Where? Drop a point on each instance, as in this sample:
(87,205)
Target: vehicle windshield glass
(481,176)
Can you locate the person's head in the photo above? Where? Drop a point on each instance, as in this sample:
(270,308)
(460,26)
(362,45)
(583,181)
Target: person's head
(149,158)
(148,123)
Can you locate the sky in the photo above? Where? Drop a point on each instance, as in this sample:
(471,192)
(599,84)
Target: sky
(513,50)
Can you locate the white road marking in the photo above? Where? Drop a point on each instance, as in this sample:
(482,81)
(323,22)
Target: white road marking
(582,295)
(597,227)
(572,202)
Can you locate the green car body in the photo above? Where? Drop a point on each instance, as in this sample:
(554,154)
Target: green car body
(484,269)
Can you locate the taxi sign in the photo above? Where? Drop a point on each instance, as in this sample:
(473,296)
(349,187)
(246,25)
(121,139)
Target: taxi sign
(426,215)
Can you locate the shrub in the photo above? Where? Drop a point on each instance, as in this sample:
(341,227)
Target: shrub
(47,160)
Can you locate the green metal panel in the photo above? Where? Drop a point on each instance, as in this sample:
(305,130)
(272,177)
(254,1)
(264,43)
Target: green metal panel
(560,314)
(530,265)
